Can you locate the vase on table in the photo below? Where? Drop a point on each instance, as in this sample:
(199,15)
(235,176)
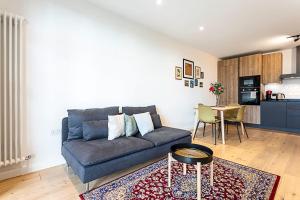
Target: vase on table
(217,100)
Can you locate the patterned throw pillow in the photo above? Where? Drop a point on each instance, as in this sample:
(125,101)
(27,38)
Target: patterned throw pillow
(130,126)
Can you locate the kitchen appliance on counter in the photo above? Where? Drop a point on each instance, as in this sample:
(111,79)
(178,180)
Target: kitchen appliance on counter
(269,95)
(278,96)
(249,90)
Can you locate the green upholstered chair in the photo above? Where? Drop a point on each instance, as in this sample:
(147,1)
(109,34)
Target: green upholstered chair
(238,119)
(230,114)
(206,115)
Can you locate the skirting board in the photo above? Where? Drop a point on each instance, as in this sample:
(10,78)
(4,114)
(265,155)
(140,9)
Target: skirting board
(25,168)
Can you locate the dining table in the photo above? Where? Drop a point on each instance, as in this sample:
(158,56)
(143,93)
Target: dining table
(221,110)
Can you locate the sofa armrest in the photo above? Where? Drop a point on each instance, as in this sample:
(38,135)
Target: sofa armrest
(64,130)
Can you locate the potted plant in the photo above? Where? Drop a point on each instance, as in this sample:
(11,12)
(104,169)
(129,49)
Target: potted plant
(217,89)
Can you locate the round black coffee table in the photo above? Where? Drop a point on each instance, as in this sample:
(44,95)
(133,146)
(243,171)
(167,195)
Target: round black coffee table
(193,154)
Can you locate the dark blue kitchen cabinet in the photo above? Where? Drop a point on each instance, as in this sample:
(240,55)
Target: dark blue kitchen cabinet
(293,115)
(274,114)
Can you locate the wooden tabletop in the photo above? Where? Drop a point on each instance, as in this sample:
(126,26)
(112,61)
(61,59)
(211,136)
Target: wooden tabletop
(191,153)
(223,108)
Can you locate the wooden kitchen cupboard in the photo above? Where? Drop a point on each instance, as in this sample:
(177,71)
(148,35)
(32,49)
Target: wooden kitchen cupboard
(272,68)
(250,65)
(228,75)
(252,114)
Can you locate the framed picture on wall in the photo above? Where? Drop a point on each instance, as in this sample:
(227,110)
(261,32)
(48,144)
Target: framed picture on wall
(202,75)
(178,73)
(197,72)
(192,83)
(196,82)
(187,83)
(188,69)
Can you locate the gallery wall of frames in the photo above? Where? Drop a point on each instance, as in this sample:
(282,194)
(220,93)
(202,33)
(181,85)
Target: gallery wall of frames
(191,74)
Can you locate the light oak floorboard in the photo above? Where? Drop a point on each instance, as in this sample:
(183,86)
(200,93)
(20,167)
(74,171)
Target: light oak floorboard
(274,152)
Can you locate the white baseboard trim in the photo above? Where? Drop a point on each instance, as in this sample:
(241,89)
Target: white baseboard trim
(25,168)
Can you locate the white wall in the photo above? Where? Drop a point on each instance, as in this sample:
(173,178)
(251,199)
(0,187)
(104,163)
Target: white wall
(289,87)
(80,56)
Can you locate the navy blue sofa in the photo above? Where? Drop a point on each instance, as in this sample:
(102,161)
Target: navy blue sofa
(93,159)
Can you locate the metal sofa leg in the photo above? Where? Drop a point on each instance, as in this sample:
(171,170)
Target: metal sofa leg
(87,187)
(68,166)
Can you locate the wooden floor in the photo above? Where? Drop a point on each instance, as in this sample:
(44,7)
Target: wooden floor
(274,152)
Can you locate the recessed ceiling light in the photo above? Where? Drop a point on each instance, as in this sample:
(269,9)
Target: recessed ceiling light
(159,2)
(201,28)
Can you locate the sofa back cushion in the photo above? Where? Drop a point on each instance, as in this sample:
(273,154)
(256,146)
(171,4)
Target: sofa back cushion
(138,110)
(93,130)
(156,121)
(77,117)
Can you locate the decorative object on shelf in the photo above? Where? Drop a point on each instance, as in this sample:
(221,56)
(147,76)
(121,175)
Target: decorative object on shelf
(186,83)
(178,73)
(191,83)
(197,72)
(202,75)
(201,84)
(196,82)
(188,69)
(217,89)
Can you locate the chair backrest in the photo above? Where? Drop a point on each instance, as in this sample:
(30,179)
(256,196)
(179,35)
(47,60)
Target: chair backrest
(206,114)
(240,114)
(231,113)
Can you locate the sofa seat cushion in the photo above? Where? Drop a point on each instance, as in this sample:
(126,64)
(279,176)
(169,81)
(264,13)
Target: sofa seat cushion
(164,135)
(98,151)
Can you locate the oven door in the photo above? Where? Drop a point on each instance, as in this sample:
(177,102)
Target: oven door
(249,97)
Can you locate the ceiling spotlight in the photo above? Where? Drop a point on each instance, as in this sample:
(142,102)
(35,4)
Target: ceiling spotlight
(295,37)
(159,2)
(201,28)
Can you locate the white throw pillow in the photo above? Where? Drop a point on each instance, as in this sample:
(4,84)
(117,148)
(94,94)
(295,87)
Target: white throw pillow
(116,124)
(144,123)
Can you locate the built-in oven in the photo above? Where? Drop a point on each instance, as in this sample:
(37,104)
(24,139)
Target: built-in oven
(249,82)
(249,90)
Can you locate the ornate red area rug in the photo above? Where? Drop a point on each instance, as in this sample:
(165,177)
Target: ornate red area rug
(231,181)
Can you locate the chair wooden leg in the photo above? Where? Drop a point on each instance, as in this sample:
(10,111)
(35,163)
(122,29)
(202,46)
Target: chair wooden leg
(237,128)
(219,134)
(216,134)
(245,129)
(196,129)
(227,128)
(204,129)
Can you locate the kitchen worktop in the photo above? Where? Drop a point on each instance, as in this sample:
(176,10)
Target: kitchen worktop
(283,100)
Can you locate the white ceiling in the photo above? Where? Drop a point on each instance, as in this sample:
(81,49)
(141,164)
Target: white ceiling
(231,26)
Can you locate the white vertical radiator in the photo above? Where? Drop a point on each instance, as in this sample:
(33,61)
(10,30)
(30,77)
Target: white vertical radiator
(11,89)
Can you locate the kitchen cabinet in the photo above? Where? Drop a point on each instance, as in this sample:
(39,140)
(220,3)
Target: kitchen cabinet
(228,76)
(271,68)
(281,115)
(274,114)
(252,114)
(293,115)
(250,65)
